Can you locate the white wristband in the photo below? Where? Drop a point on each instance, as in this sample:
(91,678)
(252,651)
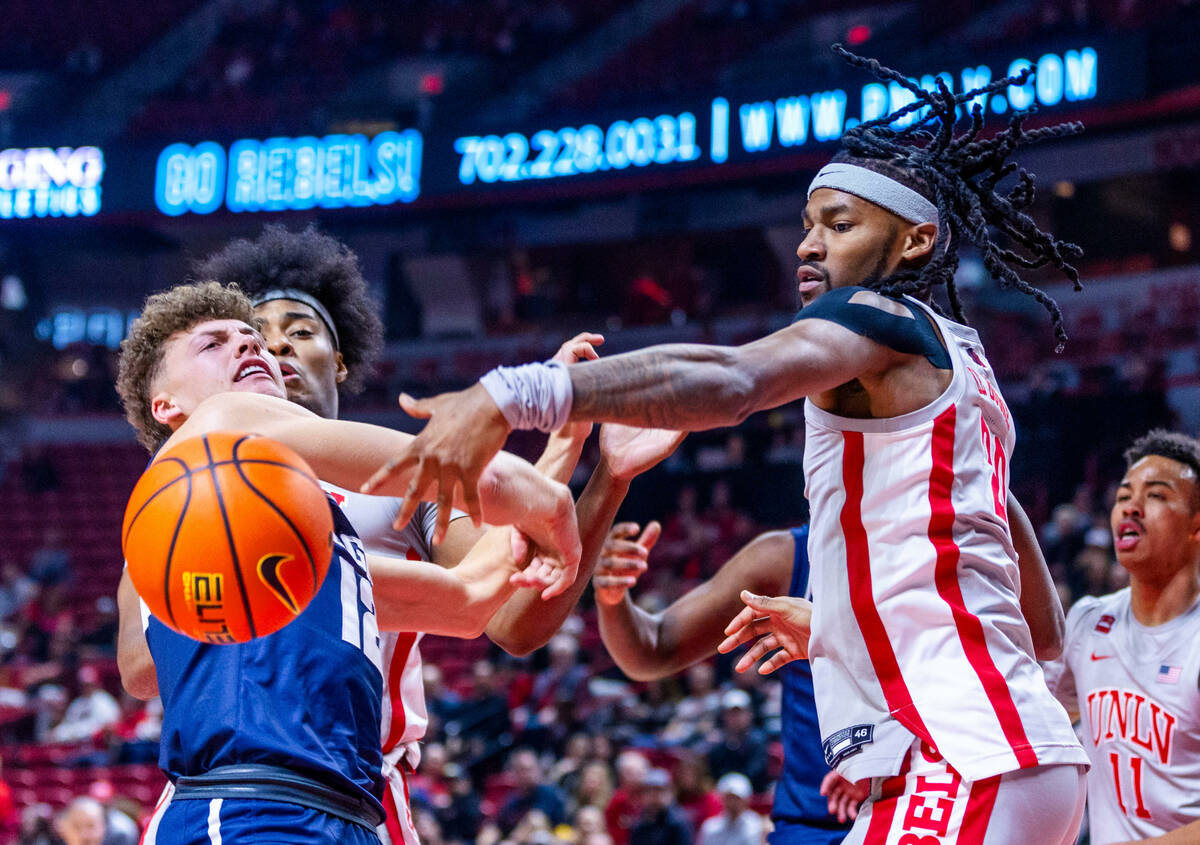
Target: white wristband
(531,395)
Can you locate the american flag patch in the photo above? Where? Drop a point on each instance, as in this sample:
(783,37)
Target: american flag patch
(1169,674)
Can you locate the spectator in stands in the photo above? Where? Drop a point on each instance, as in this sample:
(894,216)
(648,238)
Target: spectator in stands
(428,829)
(482,719)
(16,590)
(51,563)
(461,818)
(565,772)
(662,822)
(441,703)
(736,824)
(594,787)
(693,788)
(739,746)
(623,810)
(82,822)
(119,826)
(49,706)
(37,826)
(531,793)
(93,710)
(696,713)
(588,827)
(685,536)
(428,784)
(558,694)
(134,738)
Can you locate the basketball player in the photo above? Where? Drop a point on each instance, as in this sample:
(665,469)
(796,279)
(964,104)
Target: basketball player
(278,739)
(1131,664)
(647,646)
(316,314)
(922,663)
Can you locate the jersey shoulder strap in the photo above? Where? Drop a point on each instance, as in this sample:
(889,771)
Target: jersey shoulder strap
(911,334)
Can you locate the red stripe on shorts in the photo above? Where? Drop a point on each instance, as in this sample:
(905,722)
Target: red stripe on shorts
(979,811)
(862,597)
(404,647)
(392,822)
(970,629)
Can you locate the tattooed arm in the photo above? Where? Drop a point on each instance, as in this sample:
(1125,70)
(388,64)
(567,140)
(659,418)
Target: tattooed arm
(684,387)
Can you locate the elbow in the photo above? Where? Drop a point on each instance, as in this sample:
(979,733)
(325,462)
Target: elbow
(1048,645)
(138,677)
(514,644)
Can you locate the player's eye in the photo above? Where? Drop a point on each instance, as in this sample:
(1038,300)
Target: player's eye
(302,333)
(211,344)
(842,227)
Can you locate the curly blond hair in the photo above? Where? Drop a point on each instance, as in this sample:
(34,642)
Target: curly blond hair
(164,314)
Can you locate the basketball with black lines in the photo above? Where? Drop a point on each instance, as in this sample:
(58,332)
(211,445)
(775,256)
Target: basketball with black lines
(227,537)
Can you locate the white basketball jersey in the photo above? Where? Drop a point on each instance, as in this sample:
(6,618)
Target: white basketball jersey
(1139,707)
(404,714)
(917,629)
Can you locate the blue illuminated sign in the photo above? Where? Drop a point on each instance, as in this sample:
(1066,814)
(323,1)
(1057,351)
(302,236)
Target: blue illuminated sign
(548,154)
(44,182)
(741,131)
(281,174)
(101,327)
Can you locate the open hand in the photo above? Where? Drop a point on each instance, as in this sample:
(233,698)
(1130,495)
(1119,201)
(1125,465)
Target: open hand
(464,432)
(844,796)
(782,625)
(629,451)
(623,560)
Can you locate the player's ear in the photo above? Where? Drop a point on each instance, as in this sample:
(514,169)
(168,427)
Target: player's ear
(919,242)
(164,409)
(342,372)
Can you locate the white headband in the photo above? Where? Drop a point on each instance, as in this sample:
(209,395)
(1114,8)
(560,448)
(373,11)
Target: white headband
(308,299)
(876,188)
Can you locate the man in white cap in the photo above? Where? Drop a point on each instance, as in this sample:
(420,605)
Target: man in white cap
(736,824)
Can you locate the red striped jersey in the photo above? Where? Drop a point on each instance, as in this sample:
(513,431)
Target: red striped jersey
(404,714)
(917,629)
(1135,687)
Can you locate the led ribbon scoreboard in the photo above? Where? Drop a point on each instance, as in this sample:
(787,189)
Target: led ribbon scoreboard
(339,171)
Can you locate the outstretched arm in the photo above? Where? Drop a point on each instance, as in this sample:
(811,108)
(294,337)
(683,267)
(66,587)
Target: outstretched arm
(653,645)
(415,595)
(1039,599)
(510,490)
(683,387)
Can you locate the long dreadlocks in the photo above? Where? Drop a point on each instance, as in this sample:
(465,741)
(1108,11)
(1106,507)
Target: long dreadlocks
(959,175)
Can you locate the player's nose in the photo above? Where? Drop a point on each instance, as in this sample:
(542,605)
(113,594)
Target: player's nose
(277,344)
(810,248)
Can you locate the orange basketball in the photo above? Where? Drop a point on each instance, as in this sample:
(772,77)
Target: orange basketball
(228,537)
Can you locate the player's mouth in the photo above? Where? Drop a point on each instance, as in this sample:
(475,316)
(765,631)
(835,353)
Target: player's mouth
(253,368)
(809,279)
(290,374)
(1127,535)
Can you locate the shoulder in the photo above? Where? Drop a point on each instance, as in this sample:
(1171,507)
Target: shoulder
(1094,613)
(765,564)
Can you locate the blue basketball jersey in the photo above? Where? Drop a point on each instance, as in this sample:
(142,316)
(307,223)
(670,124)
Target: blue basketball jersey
(798,797)
(306,698)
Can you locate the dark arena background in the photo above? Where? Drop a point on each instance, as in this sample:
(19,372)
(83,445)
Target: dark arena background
(509,173)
